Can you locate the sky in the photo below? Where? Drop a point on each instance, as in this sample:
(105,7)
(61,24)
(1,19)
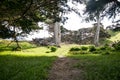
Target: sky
(76,22)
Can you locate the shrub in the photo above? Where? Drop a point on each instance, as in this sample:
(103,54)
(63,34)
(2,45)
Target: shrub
(47,51)
(102,48)
(83,52)
(105,47)
(79,52)
(97,52)
(92,48)
(53,48)
(74,49)
(84,48)
(106,53)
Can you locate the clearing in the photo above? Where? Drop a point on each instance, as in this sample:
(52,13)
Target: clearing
(33,63)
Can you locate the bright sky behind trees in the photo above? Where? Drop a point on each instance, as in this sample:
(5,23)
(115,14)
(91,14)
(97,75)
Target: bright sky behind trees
(74,22)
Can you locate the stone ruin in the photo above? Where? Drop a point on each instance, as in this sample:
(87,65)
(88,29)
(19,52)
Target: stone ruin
(43,41)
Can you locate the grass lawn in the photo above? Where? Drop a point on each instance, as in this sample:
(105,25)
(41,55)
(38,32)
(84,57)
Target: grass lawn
(115,36)
(35,63)
(25,65)
(99,67)
(25,68)
(28,64)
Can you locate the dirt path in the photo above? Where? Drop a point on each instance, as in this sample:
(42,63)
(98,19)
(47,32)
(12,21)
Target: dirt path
(63,70)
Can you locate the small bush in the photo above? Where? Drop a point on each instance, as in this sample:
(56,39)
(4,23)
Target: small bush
(53,48)
(84,48)
(47,51)
(92,48)
(84,52)
(97,52)
(74,49)
(105,47)
(79,52)
(102,48)
(106,53)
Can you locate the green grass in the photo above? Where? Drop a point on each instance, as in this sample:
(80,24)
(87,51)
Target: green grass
(29,64)
(25,68)
(24,45)
(99,67)
(115,35)
(35,63)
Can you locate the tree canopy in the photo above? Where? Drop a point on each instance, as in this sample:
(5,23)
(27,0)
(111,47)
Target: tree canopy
(109,8)
(24,14)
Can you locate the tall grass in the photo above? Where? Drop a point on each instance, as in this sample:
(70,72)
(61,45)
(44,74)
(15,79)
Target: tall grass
(25,68)
(99,67)
(35,63)
(30,63)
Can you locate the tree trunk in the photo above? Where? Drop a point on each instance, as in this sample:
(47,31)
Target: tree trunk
(57,34)
(97,33)
(16,40)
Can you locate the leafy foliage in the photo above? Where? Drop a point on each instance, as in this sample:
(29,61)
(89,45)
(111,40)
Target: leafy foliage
(24,15)
(109,8)
(84,48)
(92,48)
(79,50)
(104,50)
(52,49)
(5,32)
(105,47)
(74,49)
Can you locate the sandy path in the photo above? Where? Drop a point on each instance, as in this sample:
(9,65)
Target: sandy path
(63,70)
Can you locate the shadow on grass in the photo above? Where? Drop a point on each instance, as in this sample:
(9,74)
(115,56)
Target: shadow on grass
(11,48)
(6,45)
(25,68)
